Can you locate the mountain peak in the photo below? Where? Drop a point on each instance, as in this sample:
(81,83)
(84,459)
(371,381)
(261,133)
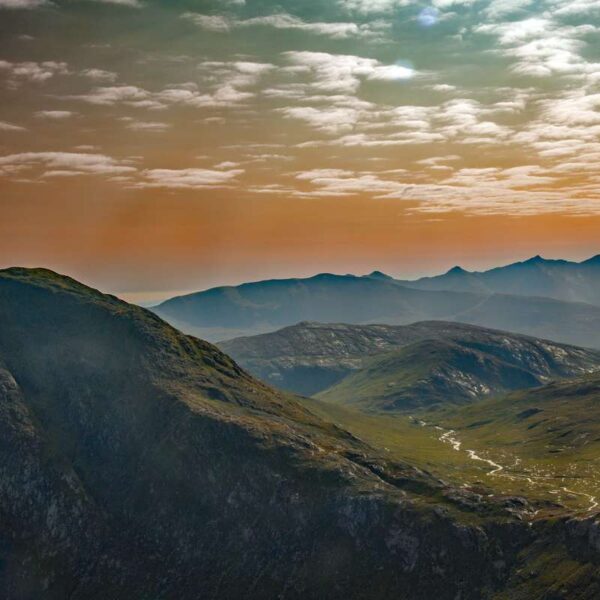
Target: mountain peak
(457,271)
(594,260)
(378,275)
(534,260)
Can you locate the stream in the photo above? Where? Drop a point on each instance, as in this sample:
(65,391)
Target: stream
(448,436)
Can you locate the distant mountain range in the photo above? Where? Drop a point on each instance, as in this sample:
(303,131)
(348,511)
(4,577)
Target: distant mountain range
(559,279)
(501,299)
(390,368)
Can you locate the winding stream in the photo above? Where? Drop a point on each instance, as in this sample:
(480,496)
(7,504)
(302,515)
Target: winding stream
(448,436)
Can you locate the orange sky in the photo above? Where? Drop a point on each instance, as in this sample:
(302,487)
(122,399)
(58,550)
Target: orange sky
(154,147)
(147,244)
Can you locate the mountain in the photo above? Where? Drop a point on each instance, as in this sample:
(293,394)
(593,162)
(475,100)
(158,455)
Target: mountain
(267,305)
(138,462)
(437,372)
(253,308)
(558,279)
(401,367)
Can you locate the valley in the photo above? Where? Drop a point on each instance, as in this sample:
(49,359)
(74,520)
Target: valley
(552,485)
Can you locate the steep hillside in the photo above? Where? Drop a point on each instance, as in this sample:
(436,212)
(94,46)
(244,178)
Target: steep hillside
(559,279)
(137,462)
(252,308)
(458,362)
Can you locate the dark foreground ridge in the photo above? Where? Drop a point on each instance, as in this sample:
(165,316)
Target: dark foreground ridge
(137,462)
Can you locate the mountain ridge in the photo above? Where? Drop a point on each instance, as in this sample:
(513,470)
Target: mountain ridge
(405,366)
(537,276)
(259,307)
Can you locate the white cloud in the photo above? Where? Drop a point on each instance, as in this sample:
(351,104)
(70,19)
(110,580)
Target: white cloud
(224,86)
(527,189)
(4,126)
(25,4)
(187,178)
(150,126)
(33,72)
(372,6)
(330,120)
(574,7)
(502,8)
(131,3)
(99,75)
(452,3)
(284,21)
(56,115)
(209,22)
(543,47)
(76,163)
(344,73)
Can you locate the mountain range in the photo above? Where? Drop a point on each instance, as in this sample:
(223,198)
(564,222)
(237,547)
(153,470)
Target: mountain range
(559,279)
(385,367)
(500,299)
(139,462)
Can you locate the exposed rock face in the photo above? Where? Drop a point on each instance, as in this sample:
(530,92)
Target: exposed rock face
(438,362)
(136,462)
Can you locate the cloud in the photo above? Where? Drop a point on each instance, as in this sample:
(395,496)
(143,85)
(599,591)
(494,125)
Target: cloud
(502,8)
(4,126)
(435,161)
(344,73)
(33,72)
(209,22)
(224,86)
(329,120)
(340,30)
(372,6)
(99,75)
(574,7)
(150,126)
(73,162)
(131,3)
(522,190)
(56,115)
(23,4)
(187,178)
(543,47)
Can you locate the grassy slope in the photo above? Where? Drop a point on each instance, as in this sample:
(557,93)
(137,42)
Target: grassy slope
(549,438)
(457,370)
(546,439)
(431,372)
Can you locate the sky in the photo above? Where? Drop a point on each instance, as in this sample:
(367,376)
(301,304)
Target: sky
(153,147)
